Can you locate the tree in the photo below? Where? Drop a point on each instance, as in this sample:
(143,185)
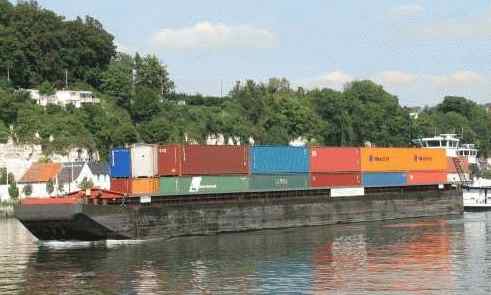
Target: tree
(145,104)
(13,190)
(27,190)
(86,184)
(117,80)
(150,73)
(50,186)
(3,176)
(47,89)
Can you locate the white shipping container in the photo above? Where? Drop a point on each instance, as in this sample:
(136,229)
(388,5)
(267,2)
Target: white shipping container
(144,160)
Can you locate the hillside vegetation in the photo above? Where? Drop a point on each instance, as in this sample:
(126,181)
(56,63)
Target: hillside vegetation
(139,102)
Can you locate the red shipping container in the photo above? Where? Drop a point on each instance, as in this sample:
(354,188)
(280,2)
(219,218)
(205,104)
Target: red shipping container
(215,160)
(170,160)
(426,177)
(453,169)
(346,179)
(121,185)
(334,159)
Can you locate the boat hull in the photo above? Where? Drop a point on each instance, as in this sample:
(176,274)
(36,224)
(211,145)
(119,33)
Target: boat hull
(168,218)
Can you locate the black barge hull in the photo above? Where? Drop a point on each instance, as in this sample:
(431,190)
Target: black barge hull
(167,217)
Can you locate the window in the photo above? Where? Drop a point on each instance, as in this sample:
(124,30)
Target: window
(433,143)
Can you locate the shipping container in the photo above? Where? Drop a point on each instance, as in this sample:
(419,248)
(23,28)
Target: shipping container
(332,159)
(120,163)
(453,169)
(279,182)
(215,160)
(402,159)
(384,179)
(421,159)
(121,185)
(203,184)
(144,160)
(170,160)
(344,179)
(279,159)
(145,185)
(426,177)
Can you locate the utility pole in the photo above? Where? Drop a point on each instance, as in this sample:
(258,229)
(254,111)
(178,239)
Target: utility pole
(8,73)
(66,79)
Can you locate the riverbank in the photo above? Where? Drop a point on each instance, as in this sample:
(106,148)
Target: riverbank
(7,209)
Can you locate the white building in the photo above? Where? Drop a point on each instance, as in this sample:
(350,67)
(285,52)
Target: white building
(64,98)
(72,174)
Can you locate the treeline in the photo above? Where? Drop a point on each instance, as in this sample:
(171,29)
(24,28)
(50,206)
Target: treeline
(139,103)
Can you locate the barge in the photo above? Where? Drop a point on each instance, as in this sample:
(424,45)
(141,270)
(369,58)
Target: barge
(96,214)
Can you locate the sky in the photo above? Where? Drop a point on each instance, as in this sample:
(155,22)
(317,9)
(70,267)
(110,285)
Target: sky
(418,50)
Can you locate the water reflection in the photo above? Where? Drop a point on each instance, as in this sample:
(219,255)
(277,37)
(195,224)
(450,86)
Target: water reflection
(432,256)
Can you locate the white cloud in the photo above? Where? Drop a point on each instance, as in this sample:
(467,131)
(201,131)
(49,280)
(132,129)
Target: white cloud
(206,35)
(334,80)
(457,79)
(395,78)
(475,27)
(408,10)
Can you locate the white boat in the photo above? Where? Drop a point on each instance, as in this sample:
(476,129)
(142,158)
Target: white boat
(451,143)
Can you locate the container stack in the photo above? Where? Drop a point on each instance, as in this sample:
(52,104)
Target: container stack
(135,170)
(187,169)
(335,167)
(279,167)
(388,167)
(203,169)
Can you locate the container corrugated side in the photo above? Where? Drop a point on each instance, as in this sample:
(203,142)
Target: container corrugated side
(345,179)
(403,159)
(144,160)
(427,177)
(265,182)
(170,160)
(279,159)
(425,159)
(145,185)
(384,179)
(121,185)
(203,184)
(120,162)
(215,160)
(334,159)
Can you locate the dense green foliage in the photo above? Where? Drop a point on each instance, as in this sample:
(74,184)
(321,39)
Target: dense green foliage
(138,102)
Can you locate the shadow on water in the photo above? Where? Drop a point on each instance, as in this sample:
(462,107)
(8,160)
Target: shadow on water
(412,256)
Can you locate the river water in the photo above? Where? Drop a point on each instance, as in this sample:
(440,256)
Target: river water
(418,256)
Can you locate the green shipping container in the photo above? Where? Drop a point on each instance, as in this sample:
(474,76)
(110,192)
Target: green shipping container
(280,181)
(203,184)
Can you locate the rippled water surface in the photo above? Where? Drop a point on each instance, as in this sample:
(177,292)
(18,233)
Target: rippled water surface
(422,256)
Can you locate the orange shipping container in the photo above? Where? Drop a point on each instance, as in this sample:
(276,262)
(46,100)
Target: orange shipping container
(403,159)
(421,159)
(144,185)
(426,177)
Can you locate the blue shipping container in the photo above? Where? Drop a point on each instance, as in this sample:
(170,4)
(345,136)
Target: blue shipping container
(120,163)
(384,179)
(279,159)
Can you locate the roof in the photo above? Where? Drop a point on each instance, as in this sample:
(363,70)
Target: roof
(41,172)
(99,168)
(69,172)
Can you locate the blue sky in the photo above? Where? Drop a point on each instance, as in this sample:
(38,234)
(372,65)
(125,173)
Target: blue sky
(418,50)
